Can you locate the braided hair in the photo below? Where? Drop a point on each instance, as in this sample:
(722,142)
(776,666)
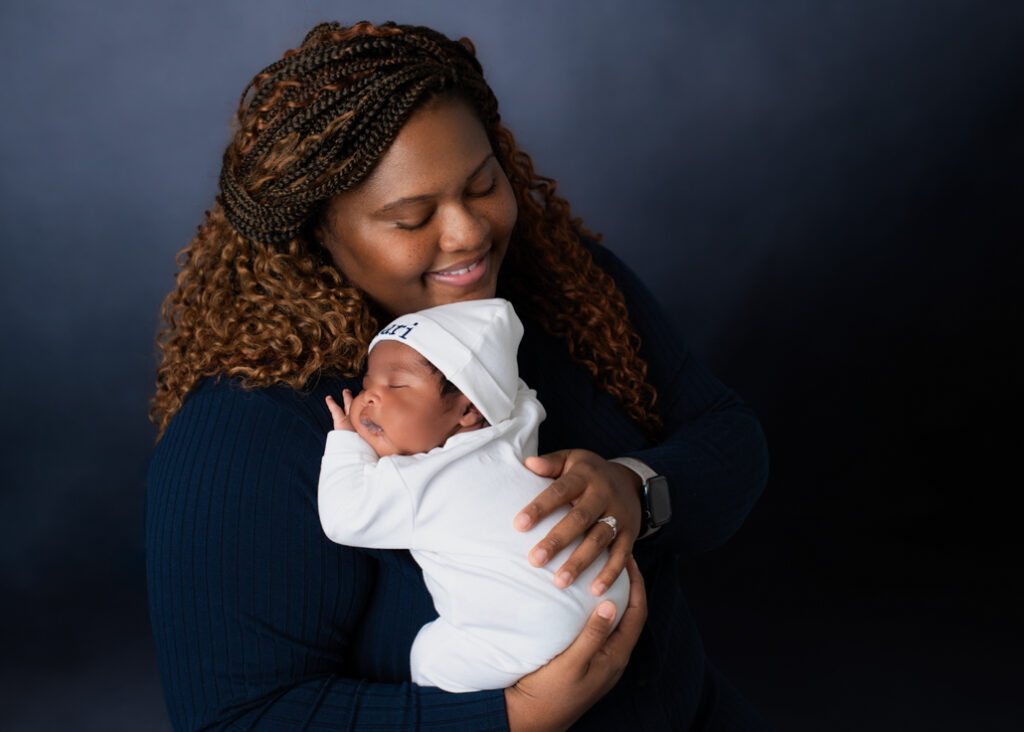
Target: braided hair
(258,298)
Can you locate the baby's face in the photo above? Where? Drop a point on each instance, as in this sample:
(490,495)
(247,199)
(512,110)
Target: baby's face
(400,410)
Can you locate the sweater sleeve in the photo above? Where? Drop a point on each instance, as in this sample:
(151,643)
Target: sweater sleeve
(254,611)
(713,450)
(362,500)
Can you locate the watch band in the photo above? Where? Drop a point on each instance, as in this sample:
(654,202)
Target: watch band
(637,466)
(646,472)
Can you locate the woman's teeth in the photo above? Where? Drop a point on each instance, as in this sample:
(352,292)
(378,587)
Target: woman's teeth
(470,268)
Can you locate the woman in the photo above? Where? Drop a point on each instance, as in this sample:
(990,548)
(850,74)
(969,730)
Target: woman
(370,176)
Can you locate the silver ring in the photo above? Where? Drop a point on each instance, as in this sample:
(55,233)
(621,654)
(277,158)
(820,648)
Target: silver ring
(610,520)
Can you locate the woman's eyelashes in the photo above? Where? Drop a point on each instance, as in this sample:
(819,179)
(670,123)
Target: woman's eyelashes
(405,226)
(412,227)
(489,190)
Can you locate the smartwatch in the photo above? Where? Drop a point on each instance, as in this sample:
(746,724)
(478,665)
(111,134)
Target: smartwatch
(655,500)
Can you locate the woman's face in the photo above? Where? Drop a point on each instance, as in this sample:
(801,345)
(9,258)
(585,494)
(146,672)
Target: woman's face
(431,224)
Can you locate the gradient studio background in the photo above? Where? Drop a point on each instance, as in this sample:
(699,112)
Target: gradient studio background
(826,195)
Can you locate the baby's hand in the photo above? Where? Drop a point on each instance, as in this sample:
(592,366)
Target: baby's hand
(340,416)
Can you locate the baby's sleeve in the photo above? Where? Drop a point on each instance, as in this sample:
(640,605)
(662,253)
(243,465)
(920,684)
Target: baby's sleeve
(362,501)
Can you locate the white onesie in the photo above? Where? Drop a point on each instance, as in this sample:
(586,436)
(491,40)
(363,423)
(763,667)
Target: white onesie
(500,617)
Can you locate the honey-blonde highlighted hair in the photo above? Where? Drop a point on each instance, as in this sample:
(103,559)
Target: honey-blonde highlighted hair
(257,296)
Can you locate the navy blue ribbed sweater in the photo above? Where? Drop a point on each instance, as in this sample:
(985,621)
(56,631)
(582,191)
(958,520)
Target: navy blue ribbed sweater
(261,622)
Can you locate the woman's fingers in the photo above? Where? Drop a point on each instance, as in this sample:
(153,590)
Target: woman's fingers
(555,695)
(592,638)
(550,465)
(583,513)
(599,537)
(621,503)
(618,555)
(599,653)
(595,489)
(636,605)
(556,494)
(620,644)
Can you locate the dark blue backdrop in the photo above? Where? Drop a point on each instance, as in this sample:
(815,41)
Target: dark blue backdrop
(827,196)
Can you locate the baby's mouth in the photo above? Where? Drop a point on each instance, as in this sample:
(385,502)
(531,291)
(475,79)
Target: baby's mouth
(370,425)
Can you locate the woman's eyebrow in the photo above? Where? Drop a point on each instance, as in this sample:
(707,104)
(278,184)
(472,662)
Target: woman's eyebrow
(397,203)
(480,167)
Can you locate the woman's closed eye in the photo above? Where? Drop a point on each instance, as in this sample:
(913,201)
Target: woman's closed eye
(412,225)
(405,226)
(488,191)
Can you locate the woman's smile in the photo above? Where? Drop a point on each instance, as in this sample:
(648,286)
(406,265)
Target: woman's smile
(464,273)
(432,222)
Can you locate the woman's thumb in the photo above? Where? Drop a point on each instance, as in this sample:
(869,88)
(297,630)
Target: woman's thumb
(547,466)
(594,634)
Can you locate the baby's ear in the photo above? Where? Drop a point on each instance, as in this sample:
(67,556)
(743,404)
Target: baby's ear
(471,416)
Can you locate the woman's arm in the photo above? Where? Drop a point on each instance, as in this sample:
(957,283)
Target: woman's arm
(255,612)
(555,696)
(712,452)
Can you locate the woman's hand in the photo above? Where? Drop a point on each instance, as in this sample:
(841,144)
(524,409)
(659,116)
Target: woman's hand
(339,415)
(596,488)
(556,695)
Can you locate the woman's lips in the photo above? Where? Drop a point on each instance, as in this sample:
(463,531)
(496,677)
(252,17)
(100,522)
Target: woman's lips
(462,274)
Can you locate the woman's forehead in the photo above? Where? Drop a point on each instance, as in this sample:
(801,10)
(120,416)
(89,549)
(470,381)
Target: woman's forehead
(439,146)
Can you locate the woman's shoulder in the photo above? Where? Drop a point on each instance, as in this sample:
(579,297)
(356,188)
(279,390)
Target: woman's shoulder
(609,261)
(222,400)
(226,435)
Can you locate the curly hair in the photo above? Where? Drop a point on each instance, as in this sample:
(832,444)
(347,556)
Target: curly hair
(258,298)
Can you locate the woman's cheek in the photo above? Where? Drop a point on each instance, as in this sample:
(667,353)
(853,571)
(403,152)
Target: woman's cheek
(511,210)
(410,254)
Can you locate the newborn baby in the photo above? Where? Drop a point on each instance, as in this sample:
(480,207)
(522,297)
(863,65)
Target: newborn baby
(429,457)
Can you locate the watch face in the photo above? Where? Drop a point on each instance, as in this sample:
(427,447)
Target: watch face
(658,501)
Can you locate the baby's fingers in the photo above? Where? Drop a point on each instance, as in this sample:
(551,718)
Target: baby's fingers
(346,397)
(338,415)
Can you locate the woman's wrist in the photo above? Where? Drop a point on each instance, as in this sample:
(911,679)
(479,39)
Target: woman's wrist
(649,477)
(644,471)
(635,473)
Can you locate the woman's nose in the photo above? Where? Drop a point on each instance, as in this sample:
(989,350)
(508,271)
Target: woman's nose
(463,229)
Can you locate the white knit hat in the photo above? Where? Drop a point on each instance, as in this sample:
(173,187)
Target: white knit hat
(473,343)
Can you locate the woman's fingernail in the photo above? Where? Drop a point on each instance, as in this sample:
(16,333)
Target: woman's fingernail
(606,610)
(600,588)
(521,522)
(538,556)
(563,579)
